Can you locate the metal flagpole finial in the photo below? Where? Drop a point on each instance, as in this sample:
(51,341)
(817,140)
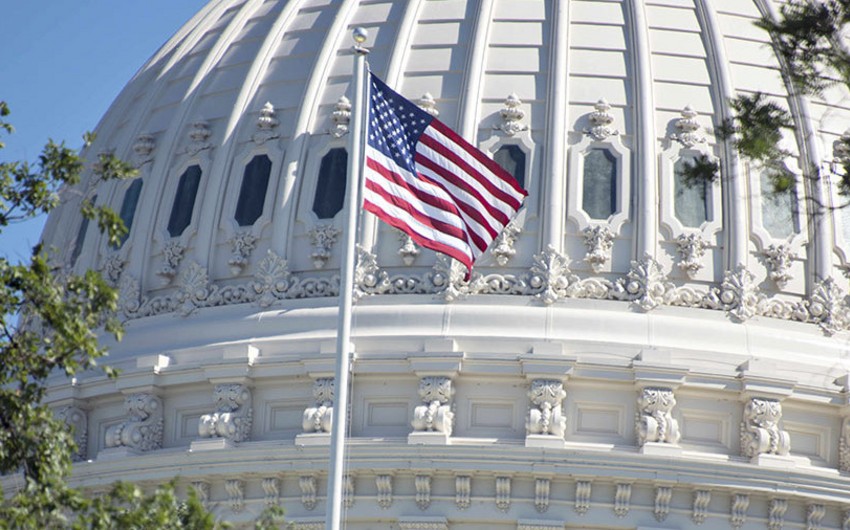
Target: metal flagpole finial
(360,35)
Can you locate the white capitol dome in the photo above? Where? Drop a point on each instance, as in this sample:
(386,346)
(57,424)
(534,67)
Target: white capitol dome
(631,352)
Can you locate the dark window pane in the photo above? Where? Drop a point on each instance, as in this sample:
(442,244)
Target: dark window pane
(252,195)
(599,184)
(81,237)
(689,199)
(512,160)
(184,201)
(128,207)
(778,208)
(330,190)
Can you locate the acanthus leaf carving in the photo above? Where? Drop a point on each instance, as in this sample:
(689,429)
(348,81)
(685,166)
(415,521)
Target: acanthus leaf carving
(233,414)
(738,294)
(436,414)
(428,104)
(512,114)
(601,120)
(341,117)
(702,498)
(691,249)
(690,133)
(323,238)
(502,248)
(196,290)
(408,250)
(142,430)
(319,417)
(77,421)
(655,422)
(644,285)
(113,268)
(827,308)
(199,134)
(143,147)
(242,244)
(546,417)
(369,279)
(778,259)
(272,280)
(599,241)
(172,255)
(267,124)
(550,276)
(760,432)
(448,277)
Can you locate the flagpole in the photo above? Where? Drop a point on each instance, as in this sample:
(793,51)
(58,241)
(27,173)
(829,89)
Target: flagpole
(343,341)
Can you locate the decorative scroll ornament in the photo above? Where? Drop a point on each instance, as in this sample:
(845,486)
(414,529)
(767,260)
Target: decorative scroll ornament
(172,255)
(503,493)
(112,269)
(512,115)
(503,246)
(425,524)
(541,494)
(463,488)
(691,248)
(739,294)
(546,417)
(599,240)
(307,483)
(844,445)
(436,415)
(738,513)
(601,119)
(422,483)
(447,277)
(778,258)
(663,494)
(199,134)
(203,490)
(267,123)
(702,498)
(323,238)
(644,284)
(369,279)
(75,418)
(143,147)
(583,489)
(826,305)
(776,513)
(655,421)
(690,133)
(550,276)
(814,516)
(760,432)
(385,490)
(196,291)
(142,430)
(232,417)
(241,244)
(408,250)
(271,490)
(272,280)
(622,499)
(319,417)
(428,104)
(341,117)
(235,494)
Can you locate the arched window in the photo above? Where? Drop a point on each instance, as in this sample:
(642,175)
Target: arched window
(252,194)
(184,201)
(330,189)
(690,201)
(512,160)
(81,237)
(779,208)
(128,207)
(599,184)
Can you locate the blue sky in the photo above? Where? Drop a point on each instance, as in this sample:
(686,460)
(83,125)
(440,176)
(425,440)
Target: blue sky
(62,64)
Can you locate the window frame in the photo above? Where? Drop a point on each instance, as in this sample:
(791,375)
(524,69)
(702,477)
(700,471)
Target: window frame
(575,184)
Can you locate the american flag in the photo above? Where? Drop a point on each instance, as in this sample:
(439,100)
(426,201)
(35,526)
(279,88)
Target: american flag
(425,180)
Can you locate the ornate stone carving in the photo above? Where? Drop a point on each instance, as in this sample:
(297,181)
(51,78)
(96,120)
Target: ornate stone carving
(503,493)
(172,255)
(691,248)
(541,494)
(599,240)
(448,277)
(323,238)
(689,133)
(232,417)
(241,245)
(319,417)
(826,305)
(582,496)
(550,276)
(272,280)
(600,120)
(663,494)
(738,513)
(436,415)
(655,421)
(424,524)
(369,279)
(502,248)
(143,147)
(844,445)
(203,490)
(428,104)
(739,294)
(546,417)
(196,291)
(622,499)
(199,134)
(142,430)
(235,494)
(644,284)
(408,250)
(422,483)
(814,516)
(112,269)
(463,488)
(778,258)
(267,123)
(307,483)
(348,491)
(760,432)
(341,117)
(75,418)
(776,513)
(271,490)
(512,115)
(385,490)
(702,498)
